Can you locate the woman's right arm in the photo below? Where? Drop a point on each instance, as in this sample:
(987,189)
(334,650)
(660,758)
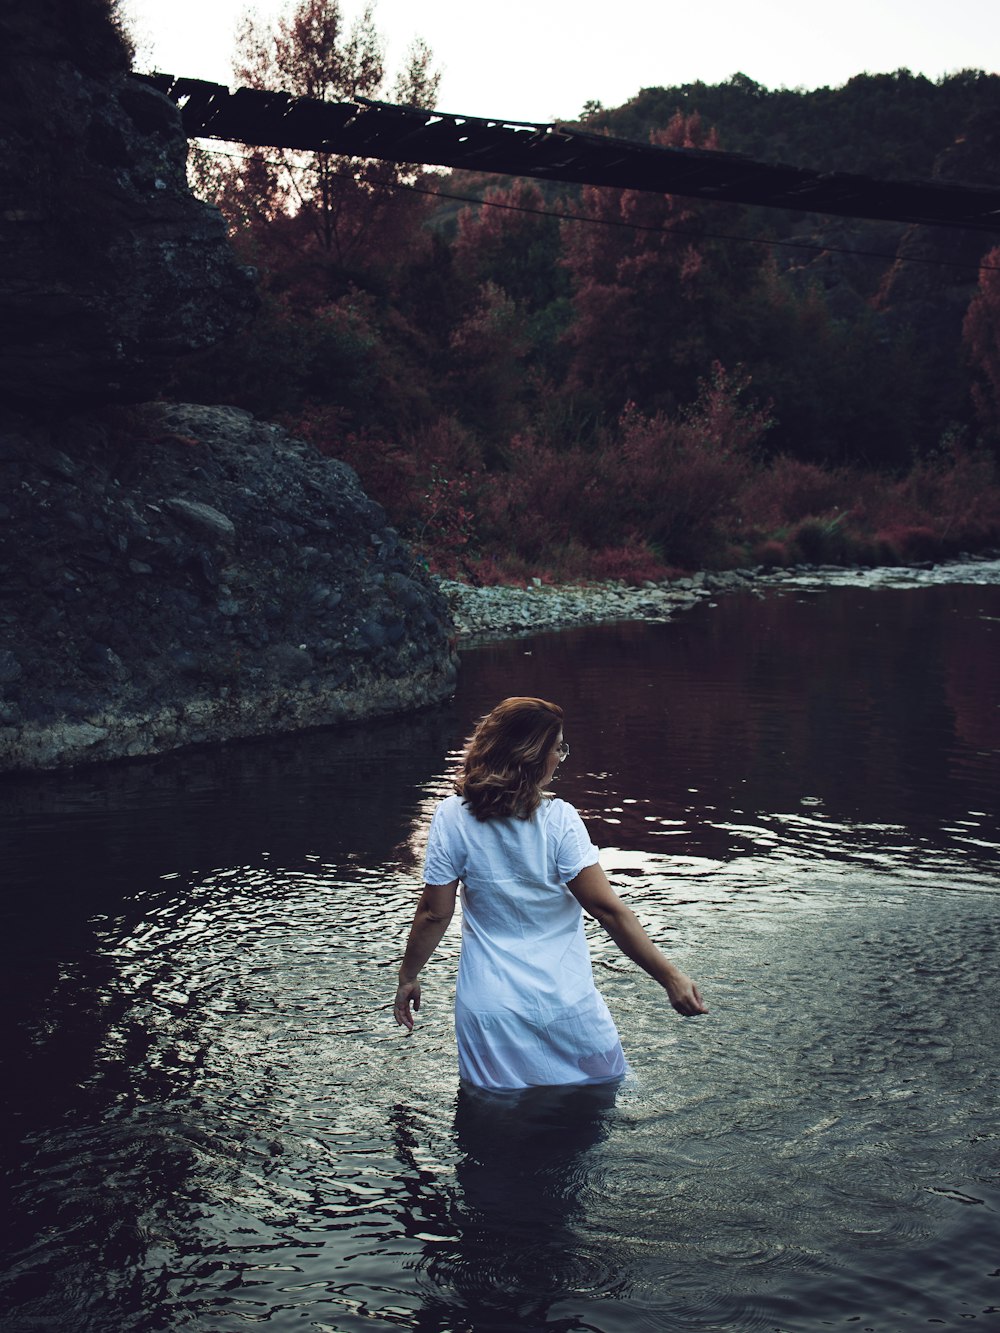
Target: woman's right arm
(596,896)
(434,911)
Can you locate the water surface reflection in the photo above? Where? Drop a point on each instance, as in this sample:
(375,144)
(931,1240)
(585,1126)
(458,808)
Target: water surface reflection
(210,1121)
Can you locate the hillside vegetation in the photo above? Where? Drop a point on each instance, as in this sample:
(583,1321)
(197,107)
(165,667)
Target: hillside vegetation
(668,383)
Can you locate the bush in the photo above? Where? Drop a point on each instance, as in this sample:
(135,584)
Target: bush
(388,472)
(789,490)
(822,541)
(771,554)
(953,496)
(651,490)
(901,545)
(654,493)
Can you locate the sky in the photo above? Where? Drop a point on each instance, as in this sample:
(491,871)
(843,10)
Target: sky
(542,60)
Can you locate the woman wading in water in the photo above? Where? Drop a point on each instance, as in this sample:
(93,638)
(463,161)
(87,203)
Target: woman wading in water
(527,1012)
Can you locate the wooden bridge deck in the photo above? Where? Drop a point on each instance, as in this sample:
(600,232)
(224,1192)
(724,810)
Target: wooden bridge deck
(369,129)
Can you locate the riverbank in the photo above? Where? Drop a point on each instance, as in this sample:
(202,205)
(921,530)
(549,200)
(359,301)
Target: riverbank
(488,614)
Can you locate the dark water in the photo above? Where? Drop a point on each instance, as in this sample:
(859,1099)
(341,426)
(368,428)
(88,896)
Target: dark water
(210,1122)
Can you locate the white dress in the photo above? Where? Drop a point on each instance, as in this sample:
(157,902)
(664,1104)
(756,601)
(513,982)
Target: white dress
(527,1012)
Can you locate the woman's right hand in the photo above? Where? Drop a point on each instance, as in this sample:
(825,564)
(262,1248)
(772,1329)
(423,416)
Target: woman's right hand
(406,1003)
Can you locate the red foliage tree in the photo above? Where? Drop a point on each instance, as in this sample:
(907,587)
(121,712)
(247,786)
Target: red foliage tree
(512,307)
(342,207)
(648,307)
(330,236)
(981,333)
(513,241)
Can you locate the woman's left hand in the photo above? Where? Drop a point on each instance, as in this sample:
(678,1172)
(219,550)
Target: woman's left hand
(685,995)
(406,1003)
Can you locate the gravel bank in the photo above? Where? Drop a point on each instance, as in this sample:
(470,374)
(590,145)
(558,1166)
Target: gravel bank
(484,615)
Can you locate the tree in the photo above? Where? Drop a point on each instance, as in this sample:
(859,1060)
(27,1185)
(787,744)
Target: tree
(512,242)
(339,203)
(653,297)
(487,348)
(982,341)
(332,237)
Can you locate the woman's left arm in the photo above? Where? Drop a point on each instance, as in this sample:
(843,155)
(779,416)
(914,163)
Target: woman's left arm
(434,911)
(595,895)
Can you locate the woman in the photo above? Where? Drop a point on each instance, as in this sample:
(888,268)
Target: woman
(527,1012)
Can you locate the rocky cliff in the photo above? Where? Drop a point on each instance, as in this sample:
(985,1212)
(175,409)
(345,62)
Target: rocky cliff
(109,267)
(168,575)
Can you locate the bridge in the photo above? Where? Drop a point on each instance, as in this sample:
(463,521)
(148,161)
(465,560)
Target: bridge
(554,152)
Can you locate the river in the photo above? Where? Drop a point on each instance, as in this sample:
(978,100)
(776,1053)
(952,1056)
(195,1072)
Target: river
(211,1122)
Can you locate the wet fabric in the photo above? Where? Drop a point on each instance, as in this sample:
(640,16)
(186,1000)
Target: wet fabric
(527,1012)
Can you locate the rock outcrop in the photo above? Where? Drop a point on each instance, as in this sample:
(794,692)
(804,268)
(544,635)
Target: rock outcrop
(109,267)
(168,575)
(186,574)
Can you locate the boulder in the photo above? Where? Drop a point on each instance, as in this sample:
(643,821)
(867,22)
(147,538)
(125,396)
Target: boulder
(173,575)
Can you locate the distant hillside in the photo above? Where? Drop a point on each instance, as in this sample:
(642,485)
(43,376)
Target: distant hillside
(888,125)
(668,380)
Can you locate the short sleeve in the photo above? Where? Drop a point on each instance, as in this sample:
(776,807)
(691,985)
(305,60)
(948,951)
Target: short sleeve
(440,859)
(573,850)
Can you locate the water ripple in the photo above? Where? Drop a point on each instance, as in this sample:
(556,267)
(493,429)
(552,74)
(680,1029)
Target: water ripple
(214,1122)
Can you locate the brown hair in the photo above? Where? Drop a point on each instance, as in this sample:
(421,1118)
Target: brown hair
(505,758)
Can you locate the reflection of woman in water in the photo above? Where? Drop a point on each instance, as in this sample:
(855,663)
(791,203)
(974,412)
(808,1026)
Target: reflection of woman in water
(506,1238)
(527,1012)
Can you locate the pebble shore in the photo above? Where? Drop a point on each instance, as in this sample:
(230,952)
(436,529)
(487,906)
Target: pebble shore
(488,614)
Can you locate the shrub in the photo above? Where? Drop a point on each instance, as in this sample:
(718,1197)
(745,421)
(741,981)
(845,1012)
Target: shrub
(960,491)
(387,471)
(821,541)
(771,554)
(789,490)
(689,473)
(544,500)
(900,545)
(654,492)
(652,489)
(634,563)
(954,495)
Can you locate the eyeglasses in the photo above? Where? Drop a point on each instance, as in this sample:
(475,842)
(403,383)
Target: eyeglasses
(563,749)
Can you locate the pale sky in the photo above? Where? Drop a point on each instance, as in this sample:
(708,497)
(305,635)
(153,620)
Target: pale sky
(541,60)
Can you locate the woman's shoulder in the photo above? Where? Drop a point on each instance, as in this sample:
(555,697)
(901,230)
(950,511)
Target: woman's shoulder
(449,806)
(555,810)
(446,821)
(453,812)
